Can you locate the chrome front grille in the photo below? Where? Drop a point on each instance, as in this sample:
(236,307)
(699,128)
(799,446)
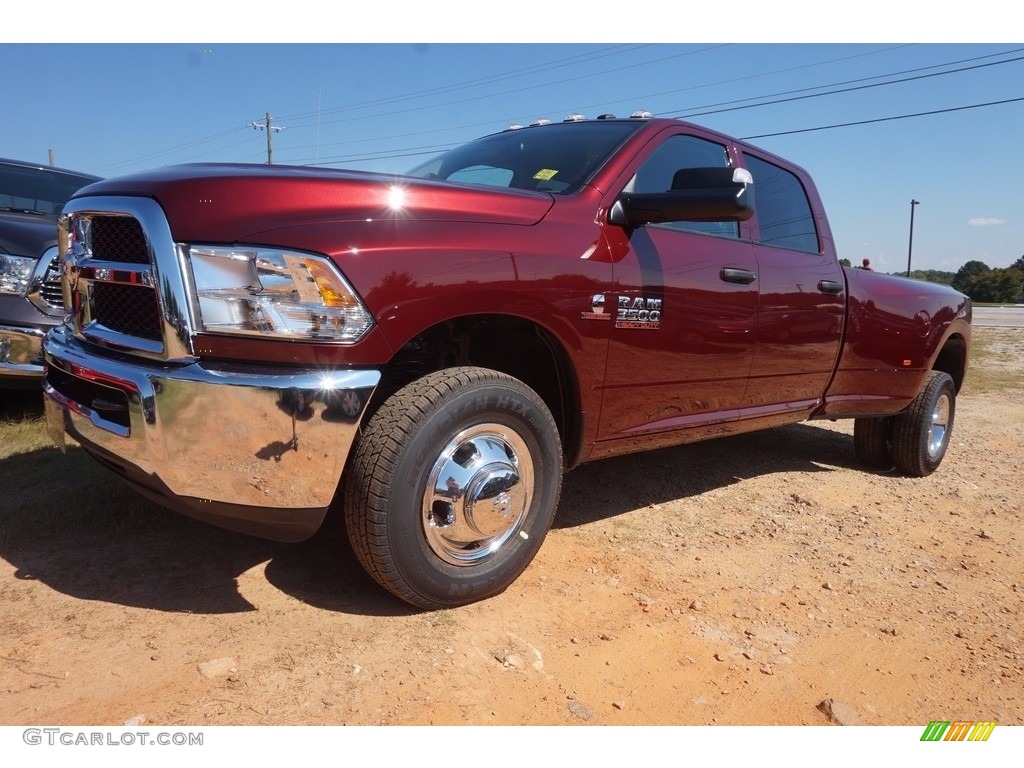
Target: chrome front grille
(122,273)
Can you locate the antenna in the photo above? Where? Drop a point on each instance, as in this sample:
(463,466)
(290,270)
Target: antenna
(316,155)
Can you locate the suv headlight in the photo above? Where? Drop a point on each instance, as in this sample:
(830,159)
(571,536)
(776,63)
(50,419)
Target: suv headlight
(16,273)
(273,292)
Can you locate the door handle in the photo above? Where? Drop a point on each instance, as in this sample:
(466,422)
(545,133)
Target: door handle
(830,286)
(734,275)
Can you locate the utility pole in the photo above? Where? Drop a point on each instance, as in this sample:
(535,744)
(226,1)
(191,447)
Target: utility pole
(910,248)
(264,125)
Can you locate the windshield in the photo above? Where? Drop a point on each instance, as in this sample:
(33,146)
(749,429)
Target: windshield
(38,190)
(557,158)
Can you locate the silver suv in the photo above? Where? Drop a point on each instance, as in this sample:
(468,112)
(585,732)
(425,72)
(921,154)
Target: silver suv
(31,302)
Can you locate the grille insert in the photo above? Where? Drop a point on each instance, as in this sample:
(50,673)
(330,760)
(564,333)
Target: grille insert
(127,309)
(52,293)
(119,238)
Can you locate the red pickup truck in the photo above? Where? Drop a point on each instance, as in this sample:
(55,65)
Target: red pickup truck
(252,345)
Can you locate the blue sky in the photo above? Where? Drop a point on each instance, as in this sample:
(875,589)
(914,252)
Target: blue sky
(115,107)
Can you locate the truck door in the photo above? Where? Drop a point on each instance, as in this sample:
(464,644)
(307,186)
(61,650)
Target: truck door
(802,295)
(685,304)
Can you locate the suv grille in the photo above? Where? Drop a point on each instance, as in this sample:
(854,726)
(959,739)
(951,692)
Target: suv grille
(119,238)
(52,293)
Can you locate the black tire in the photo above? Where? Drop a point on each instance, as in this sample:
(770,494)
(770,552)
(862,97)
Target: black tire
(920,435)
(872,442)
(453,486)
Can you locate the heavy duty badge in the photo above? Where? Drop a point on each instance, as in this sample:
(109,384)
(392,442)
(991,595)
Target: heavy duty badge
(638,312)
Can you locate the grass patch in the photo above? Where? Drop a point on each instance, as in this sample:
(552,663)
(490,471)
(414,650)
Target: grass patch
(997,361)
(24,436)
(981,381)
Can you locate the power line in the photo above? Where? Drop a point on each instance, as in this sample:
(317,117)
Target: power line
(852,88)
(495,94)
(719,83)
(883,119)
(558,63)
(171,150)
(488,80)
(561,63)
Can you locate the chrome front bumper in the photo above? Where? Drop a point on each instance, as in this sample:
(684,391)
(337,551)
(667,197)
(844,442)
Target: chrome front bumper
(253,448)
(21,352)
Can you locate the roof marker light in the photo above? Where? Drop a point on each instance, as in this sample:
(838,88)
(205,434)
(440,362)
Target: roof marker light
(642,114)
(540,121)
(575,117)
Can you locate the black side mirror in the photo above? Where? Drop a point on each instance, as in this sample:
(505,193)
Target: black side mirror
(697,194)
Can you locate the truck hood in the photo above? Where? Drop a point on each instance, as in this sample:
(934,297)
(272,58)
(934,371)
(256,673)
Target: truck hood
(27,234)
(222,202)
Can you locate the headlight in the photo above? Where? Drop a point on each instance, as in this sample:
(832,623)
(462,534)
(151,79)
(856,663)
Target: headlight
(15,273)
(279,293)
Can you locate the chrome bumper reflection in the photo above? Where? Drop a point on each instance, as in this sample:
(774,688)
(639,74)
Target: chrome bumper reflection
(244,436)
(21,351)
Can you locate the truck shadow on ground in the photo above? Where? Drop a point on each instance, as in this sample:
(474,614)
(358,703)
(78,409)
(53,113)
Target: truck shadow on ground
(73,526)
(612,487)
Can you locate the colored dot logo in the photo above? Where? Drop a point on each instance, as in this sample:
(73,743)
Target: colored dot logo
(958,730)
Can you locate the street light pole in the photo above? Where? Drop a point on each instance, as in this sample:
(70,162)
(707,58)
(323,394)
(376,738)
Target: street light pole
(910,248)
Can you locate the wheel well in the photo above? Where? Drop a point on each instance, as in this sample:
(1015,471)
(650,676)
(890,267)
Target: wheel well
(511,345)
(952,359)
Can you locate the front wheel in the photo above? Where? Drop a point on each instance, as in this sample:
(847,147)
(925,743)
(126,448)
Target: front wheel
(453,486)
(920,435)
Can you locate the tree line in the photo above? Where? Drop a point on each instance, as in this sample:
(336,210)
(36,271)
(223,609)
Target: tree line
(999,285)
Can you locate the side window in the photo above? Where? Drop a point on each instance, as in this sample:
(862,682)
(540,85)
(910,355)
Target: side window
(783,213)
(676,153)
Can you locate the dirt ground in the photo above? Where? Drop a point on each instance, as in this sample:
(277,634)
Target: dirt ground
(742,581)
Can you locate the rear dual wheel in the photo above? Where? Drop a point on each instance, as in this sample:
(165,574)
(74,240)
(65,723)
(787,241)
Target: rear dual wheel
(915,442)
(871,442)
(453,486)
(920,435)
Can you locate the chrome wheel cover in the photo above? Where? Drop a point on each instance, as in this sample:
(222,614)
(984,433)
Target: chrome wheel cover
(477,494)
(938,429)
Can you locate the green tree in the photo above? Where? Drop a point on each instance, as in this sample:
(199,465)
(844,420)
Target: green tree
(983,284)
(966,275)
(846,262)
(932,275)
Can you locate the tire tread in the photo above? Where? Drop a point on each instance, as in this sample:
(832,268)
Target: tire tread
(910,428)
(374,463)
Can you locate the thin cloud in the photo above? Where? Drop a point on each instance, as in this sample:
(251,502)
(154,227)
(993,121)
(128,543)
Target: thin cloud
(986,222)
